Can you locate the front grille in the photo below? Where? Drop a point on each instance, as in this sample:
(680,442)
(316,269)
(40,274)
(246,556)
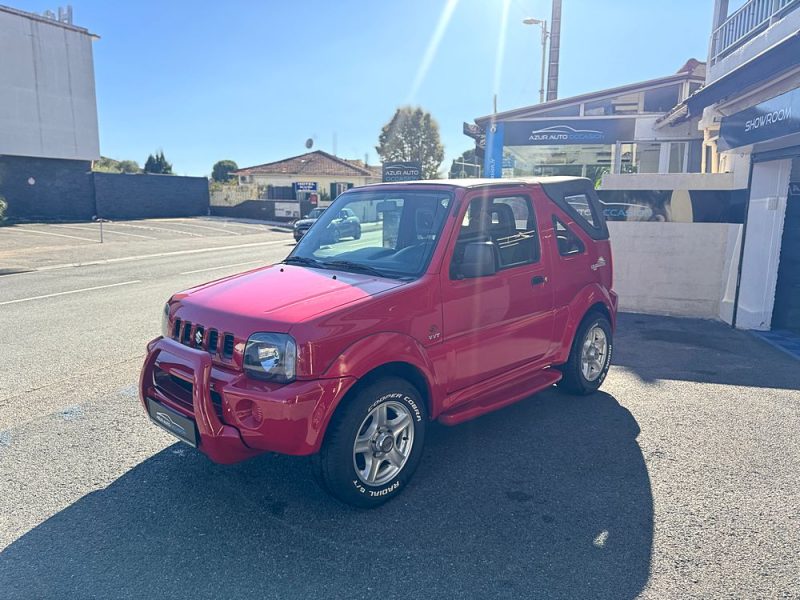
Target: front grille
(187,334)
(180,391)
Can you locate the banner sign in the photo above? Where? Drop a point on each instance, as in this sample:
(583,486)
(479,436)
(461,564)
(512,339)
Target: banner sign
(773,118)
(564,132)
(402,171)
(473,130)
(305,186)
(493,158)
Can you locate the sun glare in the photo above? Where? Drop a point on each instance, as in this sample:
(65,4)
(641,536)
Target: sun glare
(501,48)
(433,46)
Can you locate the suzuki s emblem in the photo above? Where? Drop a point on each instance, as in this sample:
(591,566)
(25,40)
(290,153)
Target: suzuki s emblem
(198,338)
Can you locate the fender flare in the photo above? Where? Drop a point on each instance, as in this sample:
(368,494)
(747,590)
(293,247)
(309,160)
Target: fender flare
(579,306)
(374,351)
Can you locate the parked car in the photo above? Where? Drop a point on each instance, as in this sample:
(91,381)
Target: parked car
(462,299)
(345,224)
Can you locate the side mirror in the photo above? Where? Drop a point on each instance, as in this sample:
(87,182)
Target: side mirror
(480,260)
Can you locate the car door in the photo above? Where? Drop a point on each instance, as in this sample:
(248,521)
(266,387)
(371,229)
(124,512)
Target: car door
(495,322)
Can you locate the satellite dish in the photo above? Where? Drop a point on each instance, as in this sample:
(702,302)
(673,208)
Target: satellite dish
(309,143)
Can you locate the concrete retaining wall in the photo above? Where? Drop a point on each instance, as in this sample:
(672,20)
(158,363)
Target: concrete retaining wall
(47,188)
(122,196)
(680,269)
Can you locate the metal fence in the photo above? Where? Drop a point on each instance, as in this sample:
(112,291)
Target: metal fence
(745,23)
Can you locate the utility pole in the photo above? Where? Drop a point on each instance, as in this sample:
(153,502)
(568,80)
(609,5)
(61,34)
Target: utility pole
(555,47)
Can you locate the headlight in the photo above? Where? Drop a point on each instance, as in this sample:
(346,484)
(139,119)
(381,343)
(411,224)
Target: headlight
(165,321)
(271,356)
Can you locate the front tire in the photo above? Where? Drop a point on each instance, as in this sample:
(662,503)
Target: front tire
(589,357)
(373,444)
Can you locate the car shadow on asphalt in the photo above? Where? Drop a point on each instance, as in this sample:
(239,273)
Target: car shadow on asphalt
(548,498)
(699,350)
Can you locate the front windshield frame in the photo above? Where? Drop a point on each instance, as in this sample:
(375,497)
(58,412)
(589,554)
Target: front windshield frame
(443,200)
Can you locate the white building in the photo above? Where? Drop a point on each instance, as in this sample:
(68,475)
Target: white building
(48,113)
(750,117)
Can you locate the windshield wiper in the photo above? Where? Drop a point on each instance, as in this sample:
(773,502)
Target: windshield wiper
(346,265)
(303,260)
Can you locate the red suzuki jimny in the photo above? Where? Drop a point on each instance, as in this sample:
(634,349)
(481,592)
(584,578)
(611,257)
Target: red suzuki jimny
(457,298)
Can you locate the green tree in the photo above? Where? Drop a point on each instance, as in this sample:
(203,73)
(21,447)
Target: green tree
(466,165)
(158,164)
(110,165)
(412,135)
(222,170)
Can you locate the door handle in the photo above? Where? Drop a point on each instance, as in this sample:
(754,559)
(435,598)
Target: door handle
(539,280)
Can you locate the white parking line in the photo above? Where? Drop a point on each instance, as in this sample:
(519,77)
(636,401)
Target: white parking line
(249,262)
(247,225)
(106,230)
(89,289)
(207,227)
(118,224)
(18,229)
(107,261)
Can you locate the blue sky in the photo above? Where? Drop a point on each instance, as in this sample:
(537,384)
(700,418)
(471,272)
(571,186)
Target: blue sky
(251,81)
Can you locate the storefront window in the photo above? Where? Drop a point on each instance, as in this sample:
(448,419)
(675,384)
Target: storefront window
(590,160)
(639,157)
(677,157)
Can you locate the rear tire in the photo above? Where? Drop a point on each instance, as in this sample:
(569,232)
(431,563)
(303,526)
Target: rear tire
(357,234)
(589,357)
(373,444)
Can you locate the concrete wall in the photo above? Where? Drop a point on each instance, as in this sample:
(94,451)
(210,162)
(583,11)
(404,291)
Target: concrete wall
(45,188)
(677,269)
(120,196)
(47,92)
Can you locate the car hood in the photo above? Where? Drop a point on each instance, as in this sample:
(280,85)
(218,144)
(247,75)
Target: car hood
(275,298)
(305,222)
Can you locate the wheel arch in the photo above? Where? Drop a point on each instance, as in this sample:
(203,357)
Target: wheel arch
(592,300)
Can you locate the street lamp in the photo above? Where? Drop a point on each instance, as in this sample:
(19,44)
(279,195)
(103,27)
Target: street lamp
(545,35)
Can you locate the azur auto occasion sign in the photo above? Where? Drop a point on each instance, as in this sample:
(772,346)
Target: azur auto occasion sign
(773,118)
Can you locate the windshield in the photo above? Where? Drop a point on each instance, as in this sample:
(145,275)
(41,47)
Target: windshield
(385,233)
(315,214)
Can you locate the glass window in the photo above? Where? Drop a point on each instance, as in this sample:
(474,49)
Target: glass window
(677,157)
(573,110)
(639,157)
(508,223)
(581,205)
(662,99)
(627,104)
(568,242)
(389,234)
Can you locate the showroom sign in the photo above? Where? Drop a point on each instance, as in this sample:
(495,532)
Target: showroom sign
(774,118)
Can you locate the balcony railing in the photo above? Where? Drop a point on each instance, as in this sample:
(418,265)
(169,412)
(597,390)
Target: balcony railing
(747,22)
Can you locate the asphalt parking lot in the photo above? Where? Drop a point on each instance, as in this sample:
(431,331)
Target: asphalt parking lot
(678,480)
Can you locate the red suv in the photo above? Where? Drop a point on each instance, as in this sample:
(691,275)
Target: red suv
(458,298)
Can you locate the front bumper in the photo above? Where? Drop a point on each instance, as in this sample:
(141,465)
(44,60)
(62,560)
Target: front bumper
(238,417)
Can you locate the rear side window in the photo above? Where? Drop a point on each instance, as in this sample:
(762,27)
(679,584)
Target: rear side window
(580,202)
(581,205)
(569,244)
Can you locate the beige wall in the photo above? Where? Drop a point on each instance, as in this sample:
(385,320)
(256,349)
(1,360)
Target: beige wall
(680,269)
(323,181)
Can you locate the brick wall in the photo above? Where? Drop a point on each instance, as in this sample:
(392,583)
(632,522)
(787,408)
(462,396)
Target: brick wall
(47,188)
(121,196)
